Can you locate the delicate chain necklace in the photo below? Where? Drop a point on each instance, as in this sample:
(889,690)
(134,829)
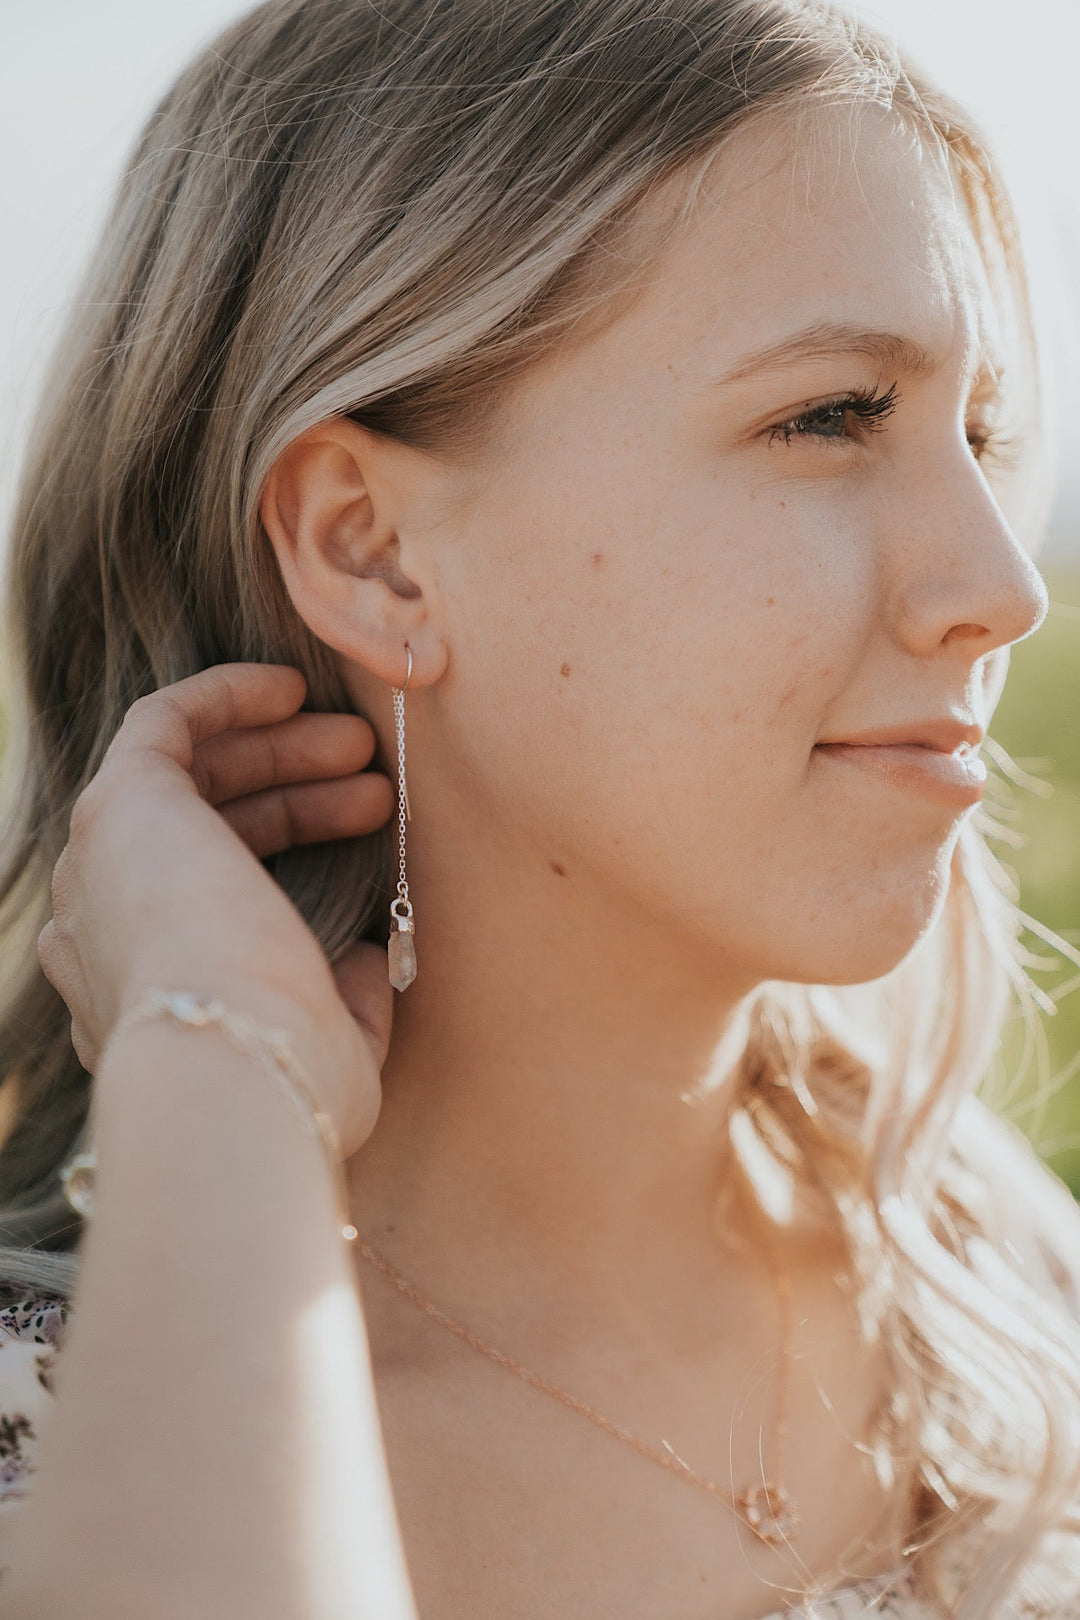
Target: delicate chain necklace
(768,1509)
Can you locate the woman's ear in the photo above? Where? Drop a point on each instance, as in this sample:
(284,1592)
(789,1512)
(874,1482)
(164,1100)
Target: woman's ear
(335,507)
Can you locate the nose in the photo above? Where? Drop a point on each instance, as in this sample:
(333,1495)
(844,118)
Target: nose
(960,576)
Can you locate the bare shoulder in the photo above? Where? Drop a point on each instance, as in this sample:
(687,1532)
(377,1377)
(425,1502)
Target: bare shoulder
(1034,1212)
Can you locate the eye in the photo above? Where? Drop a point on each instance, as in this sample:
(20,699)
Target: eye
(862,410)
(992,445)
(853,416)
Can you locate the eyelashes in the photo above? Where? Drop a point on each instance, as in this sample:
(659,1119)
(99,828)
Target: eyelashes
(868,407)
(852,417)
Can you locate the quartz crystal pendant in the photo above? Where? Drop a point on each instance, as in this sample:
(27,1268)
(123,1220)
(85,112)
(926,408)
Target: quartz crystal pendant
(401,948)
(770,1513)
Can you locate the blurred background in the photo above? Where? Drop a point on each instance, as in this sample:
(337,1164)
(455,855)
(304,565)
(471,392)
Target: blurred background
(76,83)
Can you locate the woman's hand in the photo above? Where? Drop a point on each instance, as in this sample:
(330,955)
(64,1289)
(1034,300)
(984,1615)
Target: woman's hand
(160,881)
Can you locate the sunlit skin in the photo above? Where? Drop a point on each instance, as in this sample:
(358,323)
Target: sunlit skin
(634,613)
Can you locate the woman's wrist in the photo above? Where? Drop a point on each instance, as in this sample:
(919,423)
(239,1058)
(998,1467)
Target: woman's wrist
(272,1045)
(258,1044)
(320,1071)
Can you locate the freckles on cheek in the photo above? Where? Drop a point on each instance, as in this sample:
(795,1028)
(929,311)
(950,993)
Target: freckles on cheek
(775,674)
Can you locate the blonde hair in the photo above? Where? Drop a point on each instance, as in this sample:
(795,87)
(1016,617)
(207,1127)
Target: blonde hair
(387,213)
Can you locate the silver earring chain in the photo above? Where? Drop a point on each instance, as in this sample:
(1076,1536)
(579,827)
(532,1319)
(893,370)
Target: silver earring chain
(401,948)
(403,793)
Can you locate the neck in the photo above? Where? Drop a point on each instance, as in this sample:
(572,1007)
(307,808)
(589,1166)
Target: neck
(555,1095)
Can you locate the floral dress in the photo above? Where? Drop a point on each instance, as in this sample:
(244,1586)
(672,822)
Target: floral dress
(31,1334)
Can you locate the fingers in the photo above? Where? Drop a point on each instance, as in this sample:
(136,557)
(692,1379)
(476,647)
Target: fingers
(311,812)
(176,720)
(86,1052)
(59,963)
(46,948)
(302,748)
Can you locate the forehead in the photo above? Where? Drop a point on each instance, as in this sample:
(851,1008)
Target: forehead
(843,215)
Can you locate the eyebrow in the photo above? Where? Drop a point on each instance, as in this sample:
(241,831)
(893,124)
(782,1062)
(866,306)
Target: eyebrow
(887,349)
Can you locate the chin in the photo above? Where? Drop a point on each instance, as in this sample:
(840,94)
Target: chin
(863,962)
(855,944)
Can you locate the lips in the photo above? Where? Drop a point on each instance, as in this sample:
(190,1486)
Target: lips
(944,733)
(956,777)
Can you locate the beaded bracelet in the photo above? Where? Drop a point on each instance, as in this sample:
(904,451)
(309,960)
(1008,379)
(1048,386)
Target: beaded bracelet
(272,1046)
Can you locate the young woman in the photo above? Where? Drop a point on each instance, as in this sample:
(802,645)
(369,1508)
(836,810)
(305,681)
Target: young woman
(517,563)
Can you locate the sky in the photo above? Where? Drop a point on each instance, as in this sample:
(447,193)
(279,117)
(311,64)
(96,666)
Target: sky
(78,77)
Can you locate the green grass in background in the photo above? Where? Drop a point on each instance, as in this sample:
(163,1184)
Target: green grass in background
(1038,722)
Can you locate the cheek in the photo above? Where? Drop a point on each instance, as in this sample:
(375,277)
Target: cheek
(640,680)
(654,647)
(733,627)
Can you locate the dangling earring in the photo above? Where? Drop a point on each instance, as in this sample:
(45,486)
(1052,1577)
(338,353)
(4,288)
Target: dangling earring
(401,948)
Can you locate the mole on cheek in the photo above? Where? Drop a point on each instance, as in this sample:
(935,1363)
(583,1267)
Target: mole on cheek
(565,670)
(597,557)
(560,870)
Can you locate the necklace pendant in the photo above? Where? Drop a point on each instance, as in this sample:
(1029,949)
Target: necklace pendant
(770,1513)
